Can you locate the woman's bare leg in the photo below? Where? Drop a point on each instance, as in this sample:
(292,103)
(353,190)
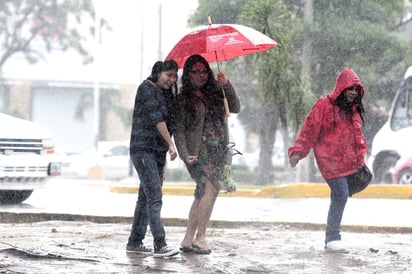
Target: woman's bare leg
(204,212)
(192,224)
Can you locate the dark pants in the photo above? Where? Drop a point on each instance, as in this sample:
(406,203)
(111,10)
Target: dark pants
(150,168)
(338,198)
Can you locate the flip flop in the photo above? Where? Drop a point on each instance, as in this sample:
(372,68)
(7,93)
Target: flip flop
(186,249)
(197,250)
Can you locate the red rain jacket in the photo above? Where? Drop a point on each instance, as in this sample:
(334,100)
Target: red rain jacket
(338,144)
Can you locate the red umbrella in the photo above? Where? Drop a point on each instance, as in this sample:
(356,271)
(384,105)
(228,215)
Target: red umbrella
(220,42)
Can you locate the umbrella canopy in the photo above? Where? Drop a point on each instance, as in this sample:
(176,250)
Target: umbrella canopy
(220,42)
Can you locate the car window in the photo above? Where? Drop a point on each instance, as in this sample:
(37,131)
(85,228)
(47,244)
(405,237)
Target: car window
(402,112)
(117,151)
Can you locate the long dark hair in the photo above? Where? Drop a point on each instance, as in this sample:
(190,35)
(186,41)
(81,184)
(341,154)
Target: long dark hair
(213,94)
(160,67)
(345,107)
(210,87)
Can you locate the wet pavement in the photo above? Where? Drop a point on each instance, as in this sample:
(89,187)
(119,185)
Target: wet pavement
(90,198)
(85,247)
(76,227)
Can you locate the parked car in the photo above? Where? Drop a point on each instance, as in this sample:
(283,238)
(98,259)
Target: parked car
(251,160)
(402,171)
(392,141)
(27,158)
(112,158)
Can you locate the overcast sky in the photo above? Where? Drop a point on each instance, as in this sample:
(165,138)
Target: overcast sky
(135,34)
(140,19)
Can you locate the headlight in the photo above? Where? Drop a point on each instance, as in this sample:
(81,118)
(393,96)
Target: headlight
(48,146)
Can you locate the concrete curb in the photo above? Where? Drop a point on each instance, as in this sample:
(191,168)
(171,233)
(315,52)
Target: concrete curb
(298,190)
(10,217)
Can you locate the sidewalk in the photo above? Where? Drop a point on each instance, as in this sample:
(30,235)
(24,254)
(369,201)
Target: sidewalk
(293,190)
(379,207)
(83,226)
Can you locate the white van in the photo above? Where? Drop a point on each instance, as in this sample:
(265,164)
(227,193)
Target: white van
(27,159)
(394,139)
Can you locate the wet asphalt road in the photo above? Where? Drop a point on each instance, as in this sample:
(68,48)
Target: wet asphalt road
(35,238)
(94,198)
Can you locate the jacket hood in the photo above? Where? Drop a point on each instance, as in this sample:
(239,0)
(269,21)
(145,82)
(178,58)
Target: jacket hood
(345,79)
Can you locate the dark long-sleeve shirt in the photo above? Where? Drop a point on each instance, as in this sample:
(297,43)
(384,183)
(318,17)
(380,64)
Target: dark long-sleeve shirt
(151,107)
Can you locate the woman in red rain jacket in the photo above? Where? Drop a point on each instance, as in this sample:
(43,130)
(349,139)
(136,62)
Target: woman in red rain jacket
(334,130)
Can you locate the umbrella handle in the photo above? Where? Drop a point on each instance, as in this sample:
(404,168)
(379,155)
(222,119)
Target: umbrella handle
(226,107)
(225,103)
(223,90)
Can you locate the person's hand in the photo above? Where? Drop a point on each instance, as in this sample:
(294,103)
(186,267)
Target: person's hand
(172,152)
(221,78)
(294,159)
(191,159)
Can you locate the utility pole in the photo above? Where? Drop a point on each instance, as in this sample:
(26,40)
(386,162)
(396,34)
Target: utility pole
(95,172)
(96,84)
(160,32)
(307,44)
(141,41)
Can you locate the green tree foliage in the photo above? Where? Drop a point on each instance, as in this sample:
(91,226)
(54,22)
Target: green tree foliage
(278,70)
(278,83)
(350,33)
(357,34)
(244,78)
(221,12)
(268,82)
(34,27)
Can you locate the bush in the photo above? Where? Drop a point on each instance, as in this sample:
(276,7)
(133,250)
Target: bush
(177,175)
(242,174)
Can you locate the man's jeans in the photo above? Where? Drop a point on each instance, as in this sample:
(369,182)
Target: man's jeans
(150,169)
(338,198)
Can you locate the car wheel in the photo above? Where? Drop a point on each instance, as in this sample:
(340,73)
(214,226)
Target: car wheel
(382,167)
(405,177)
(14,196)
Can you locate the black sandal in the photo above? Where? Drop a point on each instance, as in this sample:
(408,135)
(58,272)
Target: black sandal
(197,250)
(186,249)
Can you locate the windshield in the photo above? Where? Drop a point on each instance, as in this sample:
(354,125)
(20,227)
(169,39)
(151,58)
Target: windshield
(402,111)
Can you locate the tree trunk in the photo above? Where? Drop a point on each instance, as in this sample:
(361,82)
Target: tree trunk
(306,167)
(267,137)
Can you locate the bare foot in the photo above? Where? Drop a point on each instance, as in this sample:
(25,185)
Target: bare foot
(184,244)
(203,245)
